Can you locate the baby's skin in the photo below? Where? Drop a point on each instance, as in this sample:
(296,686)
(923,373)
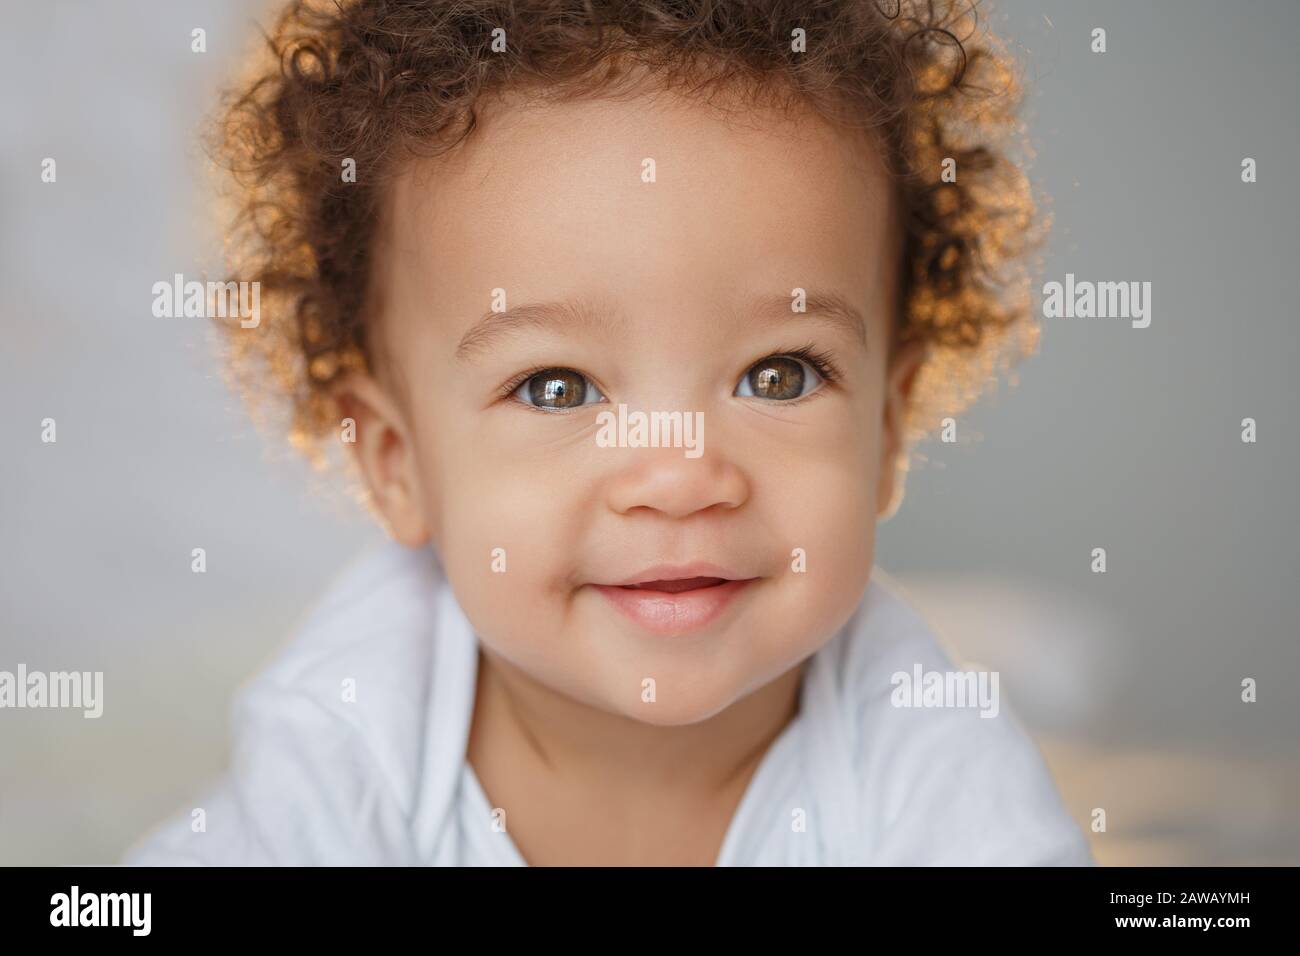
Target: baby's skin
(653,252)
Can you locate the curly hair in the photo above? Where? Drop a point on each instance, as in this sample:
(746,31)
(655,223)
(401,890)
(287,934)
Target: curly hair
(380,81)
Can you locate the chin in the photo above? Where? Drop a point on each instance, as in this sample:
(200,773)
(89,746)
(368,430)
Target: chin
(680,710)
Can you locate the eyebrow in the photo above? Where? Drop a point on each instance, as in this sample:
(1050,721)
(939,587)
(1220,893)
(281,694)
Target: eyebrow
(828,306)
(492,325)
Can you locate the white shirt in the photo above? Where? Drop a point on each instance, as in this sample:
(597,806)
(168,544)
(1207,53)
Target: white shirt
(382,779)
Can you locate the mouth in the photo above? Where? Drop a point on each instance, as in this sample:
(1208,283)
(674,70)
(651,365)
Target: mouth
(676,586)
(671,602)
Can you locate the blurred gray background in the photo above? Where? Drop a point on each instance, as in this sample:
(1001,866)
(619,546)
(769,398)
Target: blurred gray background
(1111,437)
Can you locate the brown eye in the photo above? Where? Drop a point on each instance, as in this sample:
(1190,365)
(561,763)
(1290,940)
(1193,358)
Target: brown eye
(778,378)
(556,388)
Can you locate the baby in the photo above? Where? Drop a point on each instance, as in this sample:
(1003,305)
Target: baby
(626,314)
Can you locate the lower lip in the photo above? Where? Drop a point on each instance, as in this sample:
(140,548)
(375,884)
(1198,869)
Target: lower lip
(682,612)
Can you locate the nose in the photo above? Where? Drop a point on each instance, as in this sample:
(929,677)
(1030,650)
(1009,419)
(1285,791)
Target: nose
(663,481)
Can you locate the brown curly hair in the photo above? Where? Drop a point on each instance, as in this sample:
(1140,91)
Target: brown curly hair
(381,81)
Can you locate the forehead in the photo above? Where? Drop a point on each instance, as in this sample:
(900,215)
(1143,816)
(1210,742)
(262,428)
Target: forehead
(656,198)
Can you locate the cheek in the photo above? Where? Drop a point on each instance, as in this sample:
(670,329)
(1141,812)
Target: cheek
(825,487)
(833,524)
(505,530)
(827,509)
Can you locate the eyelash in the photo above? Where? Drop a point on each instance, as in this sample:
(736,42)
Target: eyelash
(821,361)
(509,387)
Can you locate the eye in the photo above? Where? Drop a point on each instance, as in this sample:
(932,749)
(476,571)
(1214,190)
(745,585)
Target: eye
(779,378)
(556,389)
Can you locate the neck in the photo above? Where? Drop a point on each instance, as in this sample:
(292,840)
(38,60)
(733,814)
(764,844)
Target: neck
(584,746)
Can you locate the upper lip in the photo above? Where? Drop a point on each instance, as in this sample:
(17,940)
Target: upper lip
(678,572)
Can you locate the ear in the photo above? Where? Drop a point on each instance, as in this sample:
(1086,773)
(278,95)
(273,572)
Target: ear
(900,380)
(386,457)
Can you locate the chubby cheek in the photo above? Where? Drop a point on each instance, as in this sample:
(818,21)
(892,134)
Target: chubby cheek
(828,525)
(505,532)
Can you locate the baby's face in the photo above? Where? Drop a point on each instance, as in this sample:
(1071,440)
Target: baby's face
(646,254)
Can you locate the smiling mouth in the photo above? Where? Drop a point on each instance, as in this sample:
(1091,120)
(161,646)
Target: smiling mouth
(675,606)
(677,585)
